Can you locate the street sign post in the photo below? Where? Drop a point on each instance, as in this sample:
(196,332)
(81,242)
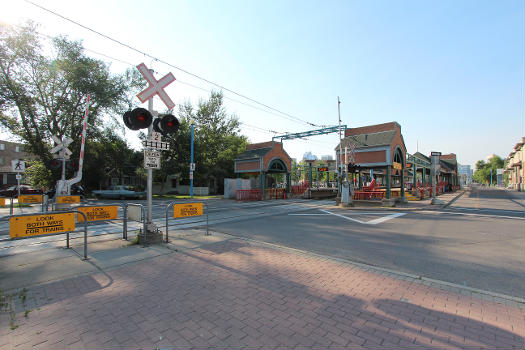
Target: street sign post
(156,87)
(18,166)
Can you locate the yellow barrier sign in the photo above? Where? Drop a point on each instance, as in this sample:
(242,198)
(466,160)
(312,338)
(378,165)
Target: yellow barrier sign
(188,209)
(30,198)
(97,213)
(68,199)
(2,201)
(44,224)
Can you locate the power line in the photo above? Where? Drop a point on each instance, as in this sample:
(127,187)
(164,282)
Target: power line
(253,127)
(170,65)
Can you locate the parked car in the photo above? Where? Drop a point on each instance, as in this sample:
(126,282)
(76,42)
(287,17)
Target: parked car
(76,190)
(12,191)
(119,192)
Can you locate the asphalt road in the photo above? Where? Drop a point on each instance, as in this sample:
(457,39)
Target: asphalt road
(478,241)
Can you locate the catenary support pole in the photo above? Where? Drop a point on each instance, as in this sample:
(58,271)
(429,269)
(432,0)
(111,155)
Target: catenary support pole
(191,163)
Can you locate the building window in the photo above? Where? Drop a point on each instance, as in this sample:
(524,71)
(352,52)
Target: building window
(2,146)
(1,160)
(17,148)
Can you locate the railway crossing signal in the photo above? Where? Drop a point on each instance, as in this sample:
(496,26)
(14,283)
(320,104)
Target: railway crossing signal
(137,119)
(166,124)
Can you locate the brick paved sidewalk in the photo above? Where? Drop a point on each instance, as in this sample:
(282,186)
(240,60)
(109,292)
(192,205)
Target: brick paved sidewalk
(239,295)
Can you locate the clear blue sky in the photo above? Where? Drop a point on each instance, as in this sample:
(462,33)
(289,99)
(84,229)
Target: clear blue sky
(451,73)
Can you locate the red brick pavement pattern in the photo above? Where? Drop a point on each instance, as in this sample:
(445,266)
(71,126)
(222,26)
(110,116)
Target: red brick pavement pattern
(236,295)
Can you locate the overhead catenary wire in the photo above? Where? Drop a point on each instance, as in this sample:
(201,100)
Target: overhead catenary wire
(172,65)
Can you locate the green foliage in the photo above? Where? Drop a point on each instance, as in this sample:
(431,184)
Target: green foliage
(38,175)
(217,143)
(108,156)
(41,96)
(483,170)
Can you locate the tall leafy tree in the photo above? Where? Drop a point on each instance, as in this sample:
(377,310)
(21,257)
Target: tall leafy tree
(483,169)
(43,94)
(217,143)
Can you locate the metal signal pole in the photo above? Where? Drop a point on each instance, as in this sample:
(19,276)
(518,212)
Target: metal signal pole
(150,171)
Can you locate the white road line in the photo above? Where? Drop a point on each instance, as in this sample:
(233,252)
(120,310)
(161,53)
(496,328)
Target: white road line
(472,214)
(342,216)
(311,214)
(371,222)
(385,218)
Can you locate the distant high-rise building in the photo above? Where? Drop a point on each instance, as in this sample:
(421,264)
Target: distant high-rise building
(465,174)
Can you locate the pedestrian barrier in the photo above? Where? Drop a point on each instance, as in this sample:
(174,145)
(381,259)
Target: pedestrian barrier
(369,195)
(185,210)
(248,195)
(275,193)
(29,199)
(298,189)
(23,226)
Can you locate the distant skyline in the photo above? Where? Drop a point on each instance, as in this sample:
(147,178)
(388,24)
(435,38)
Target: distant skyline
(451,73)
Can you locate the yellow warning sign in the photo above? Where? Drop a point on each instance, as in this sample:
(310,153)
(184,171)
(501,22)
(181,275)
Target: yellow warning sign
(44,224)
(30,198)
(98,213)
(188,209)
(2,201)
(68,199)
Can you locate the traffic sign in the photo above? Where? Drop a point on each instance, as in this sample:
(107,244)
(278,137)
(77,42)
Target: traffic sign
(62,145)
(151,159)
(18,166)
(155,136)
(30,198)
(164,146)
(188,209)
(192,166)
(68,199)
(98,213)
(18,177)
(35,225)
(155,87)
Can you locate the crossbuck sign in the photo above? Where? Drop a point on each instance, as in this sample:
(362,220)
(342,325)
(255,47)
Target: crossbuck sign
(155,87)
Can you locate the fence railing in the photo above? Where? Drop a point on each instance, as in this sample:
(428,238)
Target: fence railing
(275,193)
(248,195)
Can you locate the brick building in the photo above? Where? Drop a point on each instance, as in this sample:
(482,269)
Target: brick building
(377,151)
